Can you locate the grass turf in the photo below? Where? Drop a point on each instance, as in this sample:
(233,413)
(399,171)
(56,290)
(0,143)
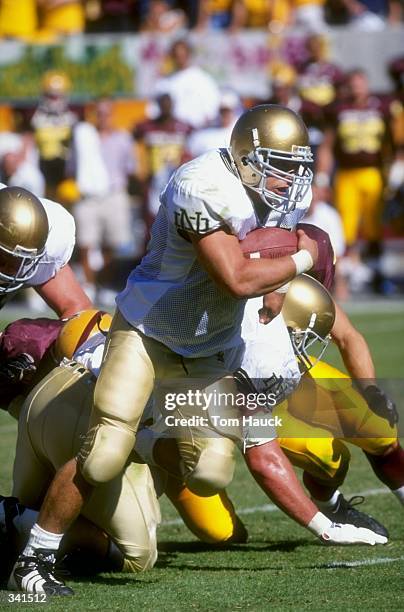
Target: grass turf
(282,567)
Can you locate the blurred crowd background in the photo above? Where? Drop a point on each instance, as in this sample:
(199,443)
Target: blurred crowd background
(46,20)
(104,144)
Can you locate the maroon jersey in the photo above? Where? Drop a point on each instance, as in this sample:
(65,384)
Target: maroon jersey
(324,269)
(24,346)
(361,132)
(164,141)
(318,82)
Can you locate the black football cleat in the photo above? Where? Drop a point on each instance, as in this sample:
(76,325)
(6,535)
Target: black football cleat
(345,512)
(35,574)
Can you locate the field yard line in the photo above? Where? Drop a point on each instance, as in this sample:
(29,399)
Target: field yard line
(272,508)
(377,561)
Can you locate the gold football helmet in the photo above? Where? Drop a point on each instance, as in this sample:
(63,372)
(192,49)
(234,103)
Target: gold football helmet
(270,140)
(78,329)
(309,314)
(24,230)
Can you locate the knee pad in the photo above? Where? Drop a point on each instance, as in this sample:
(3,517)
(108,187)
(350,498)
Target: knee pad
(105,452)
(212,519)
(144,560)
(213,472)
(329,458)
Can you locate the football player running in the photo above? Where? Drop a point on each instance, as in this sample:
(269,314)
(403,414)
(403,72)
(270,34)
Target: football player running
(180,318)
(36,242)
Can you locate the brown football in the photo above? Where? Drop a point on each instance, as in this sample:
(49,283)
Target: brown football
(269,243)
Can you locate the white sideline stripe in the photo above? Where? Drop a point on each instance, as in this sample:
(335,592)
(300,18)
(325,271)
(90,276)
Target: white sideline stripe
(377,561)
(272,508)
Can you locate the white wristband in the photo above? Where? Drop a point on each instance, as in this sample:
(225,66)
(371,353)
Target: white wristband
(303,261)
(319,524)
(283,289)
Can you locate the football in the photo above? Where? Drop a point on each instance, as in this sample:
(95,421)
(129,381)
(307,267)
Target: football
(269,243)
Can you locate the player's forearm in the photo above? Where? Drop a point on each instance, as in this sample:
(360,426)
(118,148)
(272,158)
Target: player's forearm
(259,277)
(354,349)
(358,361)
(274,474)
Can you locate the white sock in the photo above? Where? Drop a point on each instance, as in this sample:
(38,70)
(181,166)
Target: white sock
(399,493)
(329,504)
(39,538)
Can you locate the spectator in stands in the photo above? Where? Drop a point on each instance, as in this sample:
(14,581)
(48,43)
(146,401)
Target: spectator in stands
(161,17)
(218,135)
(194,93)
(61,17)
(112,15)
(358,141)
(252,14)
(367,15)
(52,124)
(278,14)
(214,14)
(161,148)
(309,14)
(104,160)
(18,19)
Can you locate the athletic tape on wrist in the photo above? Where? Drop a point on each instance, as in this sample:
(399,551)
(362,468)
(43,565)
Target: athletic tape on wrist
(303,261)
(319,524)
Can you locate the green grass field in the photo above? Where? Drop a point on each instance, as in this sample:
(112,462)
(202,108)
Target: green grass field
(282,567)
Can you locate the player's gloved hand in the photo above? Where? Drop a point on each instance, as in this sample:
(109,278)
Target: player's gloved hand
(336,533)
(349,534)
(17,369)
(380,404)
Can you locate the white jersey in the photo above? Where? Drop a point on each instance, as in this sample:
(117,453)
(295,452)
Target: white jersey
(170,296)
(90,353)
(59,244)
